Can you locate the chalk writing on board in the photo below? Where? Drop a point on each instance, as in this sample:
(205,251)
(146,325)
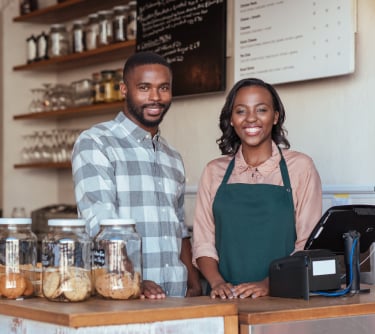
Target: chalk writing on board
(190,35)
(317,41)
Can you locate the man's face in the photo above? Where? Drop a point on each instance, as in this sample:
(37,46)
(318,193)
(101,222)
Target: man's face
(148,95)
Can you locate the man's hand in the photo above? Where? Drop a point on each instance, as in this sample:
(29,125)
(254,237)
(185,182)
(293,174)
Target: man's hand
(151,290)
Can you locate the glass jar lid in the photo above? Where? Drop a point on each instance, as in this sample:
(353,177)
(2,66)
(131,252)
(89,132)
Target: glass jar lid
(15,221)
(117,221)
(66,222)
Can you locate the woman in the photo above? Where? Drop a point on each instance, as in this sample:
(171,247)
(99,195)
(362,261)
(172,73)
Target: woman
(257,203)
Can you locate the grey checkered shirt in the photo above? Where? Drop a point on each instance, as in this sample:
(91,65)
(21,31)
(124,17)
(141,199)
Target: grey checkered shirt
(120,171)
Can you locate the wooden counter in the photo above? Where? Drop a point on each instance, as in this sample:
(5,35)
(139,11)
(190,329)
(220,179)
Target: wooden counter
(98,312)
(346,314)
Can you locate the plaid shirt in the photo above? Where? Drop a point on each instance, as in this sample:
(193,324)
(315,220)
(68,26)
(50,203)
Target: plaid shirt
(120,171)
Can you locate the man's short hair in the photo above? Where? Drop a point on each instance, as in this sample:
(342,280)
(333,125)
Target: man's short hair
(143,58)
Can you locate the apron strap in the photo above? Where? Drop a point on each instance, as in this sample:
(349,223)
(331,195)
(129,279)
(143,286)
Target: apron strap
(284,175)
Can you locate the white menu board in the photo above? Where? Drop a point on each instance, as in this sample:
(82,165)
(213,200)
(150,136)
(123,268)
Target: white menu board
(293,40)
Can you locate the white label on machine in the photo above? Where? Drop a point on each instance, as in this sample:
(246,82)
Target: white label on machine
(323,267)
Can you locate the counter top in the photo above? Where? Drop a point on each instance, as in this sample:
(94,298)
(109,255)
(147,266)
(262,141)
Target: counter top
(100,312)
(266,310)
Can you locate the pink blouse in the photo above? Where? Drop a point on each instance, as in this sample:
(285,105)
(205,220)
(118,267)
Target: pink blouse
(305,182)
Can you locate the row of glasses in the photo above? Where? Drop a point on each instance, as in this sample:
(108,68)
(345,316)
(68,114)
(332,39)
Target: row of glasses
(49,146)
(51,97)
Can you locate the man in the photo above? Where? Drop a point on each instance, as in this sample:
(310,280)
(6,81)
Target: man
(124,169)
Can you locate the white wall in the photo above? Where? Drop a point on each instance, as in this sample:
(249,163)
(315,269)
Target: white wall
(330,119)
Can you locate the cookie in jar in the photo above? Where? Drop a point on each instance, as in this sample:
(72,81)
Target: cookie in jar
(66,261)
(18,256)
(117,260)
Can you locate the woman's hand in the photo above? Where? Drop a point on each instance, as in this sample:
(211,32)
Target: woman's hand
(252,289)
(151,290)
(222,290)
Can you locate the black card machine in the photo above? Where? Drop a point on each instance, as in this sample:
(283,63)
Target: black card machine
(303,273)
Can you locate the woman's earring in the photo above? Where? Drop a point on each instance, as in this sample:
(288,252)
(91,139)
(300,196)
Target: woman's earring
(231,124)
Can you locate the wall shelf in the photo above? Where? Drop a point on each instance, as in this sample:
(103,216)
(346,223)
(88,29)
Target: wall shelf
(67,10)
(116,51)
(82,111)
(45,165)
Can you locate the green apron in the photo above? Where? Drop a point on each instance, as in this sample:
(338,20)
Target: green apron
(254,224)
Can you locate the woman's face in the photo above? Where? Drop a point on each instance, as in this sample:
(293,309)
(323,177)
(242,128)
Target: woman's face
(253,116)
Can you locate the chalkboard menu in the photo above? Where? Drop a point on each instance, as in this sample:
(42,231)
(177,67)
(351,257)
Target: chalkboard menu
(191,36)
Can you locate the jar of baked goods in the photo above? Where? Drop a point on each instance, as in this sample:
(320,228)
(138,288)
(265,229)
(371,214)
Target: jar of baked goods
(66,261)
(131,28)
(58,42)
(18,256)
(117,260)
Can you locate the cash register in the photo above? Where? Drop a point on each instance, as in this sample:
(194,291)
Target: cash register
(346,230)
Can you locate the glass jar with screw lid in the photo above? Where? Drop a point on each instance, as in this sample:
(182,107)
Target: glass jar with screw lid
(66,261)
(18,256)
(117,260)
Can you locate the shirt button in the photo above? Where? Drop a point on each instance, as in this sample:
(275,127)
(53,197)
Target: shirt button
(166,265)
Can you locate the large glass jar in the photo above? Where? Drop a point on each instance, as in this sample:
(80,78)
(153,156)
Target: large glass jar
(58,42)
(18,256)
(66,261)
(117,260)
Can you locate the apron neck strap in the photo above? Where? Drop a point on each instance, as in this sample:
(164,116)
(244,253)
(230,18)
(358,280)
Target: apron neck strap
(283,169)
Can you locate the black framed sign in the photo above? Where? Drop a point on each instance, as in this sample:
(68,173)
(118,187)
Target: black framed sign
(191,36)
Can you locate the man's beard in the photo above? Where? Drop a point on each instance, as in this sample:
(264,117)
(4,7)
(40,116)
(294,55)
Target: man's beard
(138,112)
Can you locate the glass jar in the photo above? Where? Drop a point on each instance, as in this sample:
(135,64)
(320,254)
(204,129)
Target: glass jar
(58,42)
(92,32)
(131,28)
(120,14)
(18,256)
(105,27)
(117,260)
(42,46)
(117,83)
(31,49)
(66,261)
(108,86)
(98,93)
(78,37)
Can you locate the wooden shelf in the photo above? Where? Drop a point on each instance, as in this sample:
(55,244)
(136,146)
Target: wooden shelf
(45,165)
(67,11)
(116,51)
(83,111)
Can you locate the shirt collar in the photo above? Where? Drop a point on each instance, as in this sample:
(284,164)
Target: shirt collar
(266,167)
(134,130)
